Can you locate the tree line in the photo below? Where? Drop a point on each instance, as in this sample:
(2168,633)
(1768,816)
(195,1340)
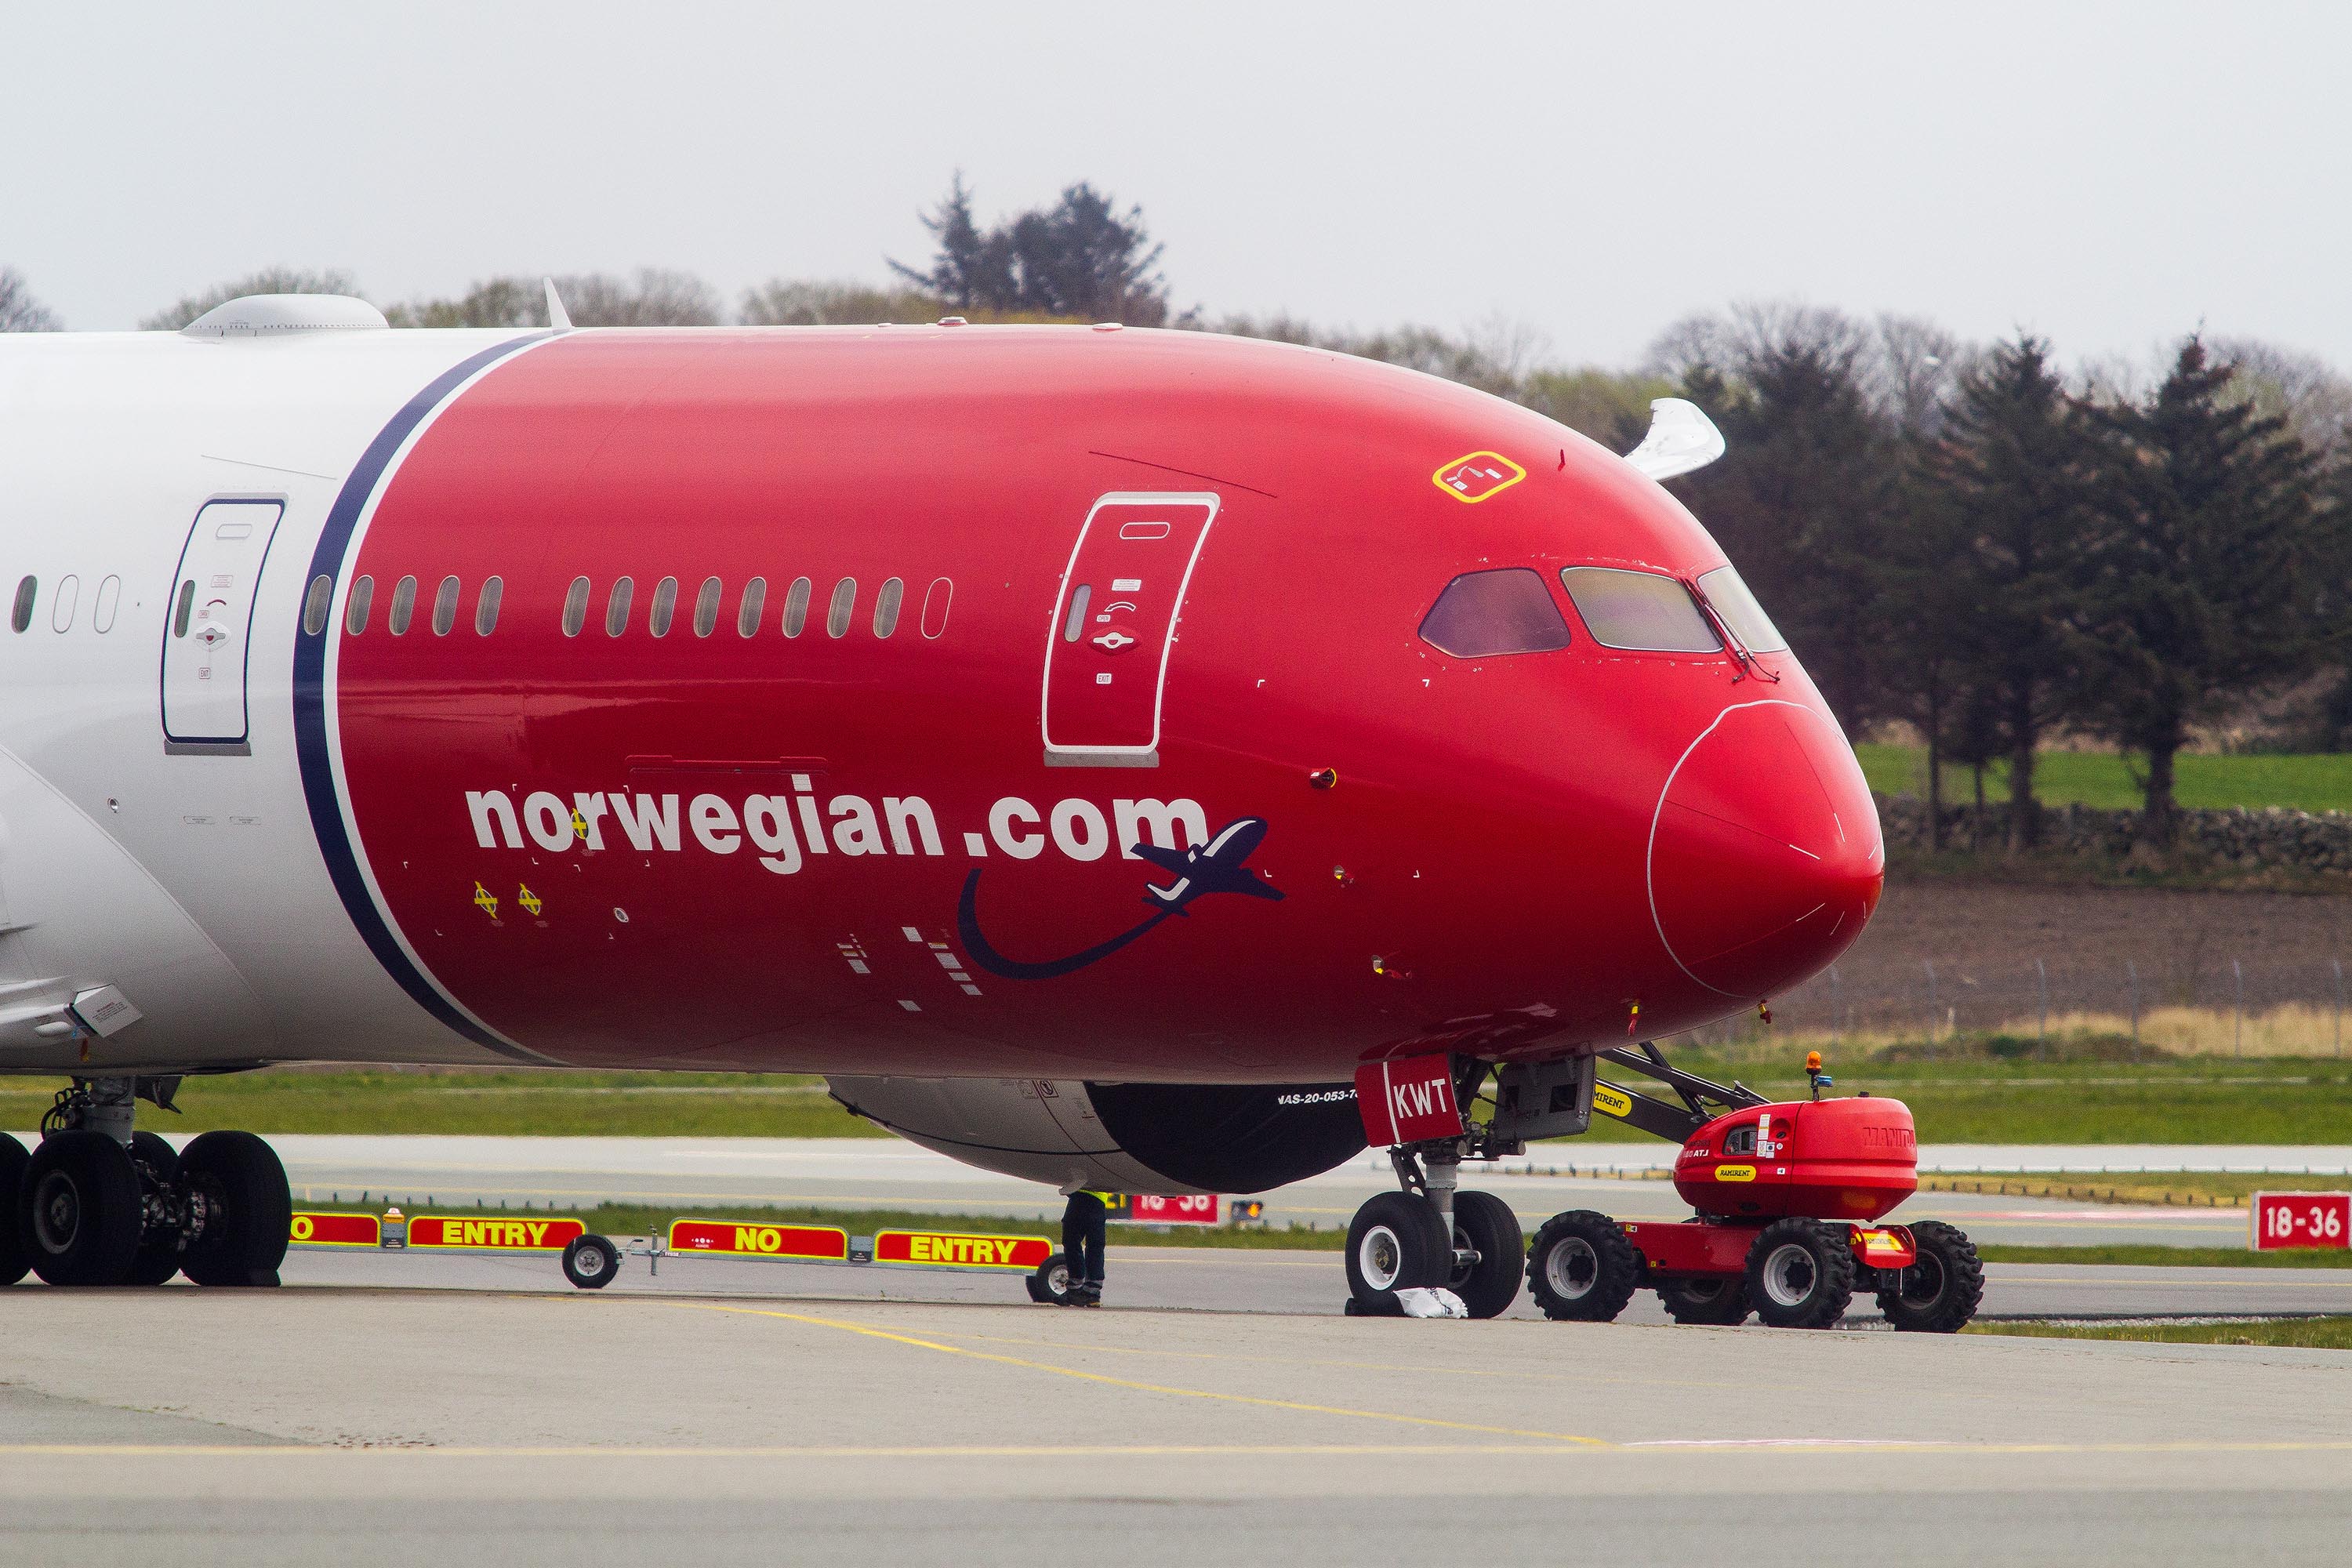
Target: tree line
(1967,541)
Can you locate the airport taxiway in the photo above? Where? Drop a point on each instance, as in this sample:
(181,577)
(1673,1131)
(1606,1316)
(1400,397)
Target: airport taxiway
(365,1425)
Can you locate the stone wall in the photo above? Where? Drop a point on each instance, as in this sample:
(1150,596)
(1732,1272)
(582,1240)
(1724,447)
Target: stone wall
(2277,839)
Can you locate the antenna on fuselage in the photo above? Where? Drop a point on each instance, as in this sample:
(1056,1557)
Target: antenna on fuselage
(561,319)
(1681,437)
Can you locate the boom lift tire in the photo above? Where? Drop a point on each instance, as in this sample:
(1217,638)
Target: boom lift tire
(1484,1224)
(159,1246)
(1800,1274)
(1396,1242)
(1050,1285)
(1939,1294)
(1720,1303)
(244,1187)
(590,1261)
(16,1259)
(80,1207)
(1581,1268)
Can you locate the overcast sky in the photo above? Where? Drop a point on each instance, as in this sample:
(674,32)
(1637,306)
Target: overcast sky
(2109,174)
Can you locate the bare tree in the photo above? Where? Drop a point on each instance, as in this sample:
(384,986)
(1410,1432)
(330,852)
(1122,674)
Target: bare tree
(19,312)
(782,302)
(655,297)
(2306,392)
(269,281)
(509,302)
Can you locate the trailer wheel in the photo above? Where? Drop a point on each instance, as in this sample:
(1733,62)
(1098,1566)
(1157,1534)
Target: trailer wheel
(1720,1302)
(1800,1274)
(1939,1294)
(1396,1242)
(1050,1285)
(15,1258)
(590,1261)
(1581,1268)
(1484,1224)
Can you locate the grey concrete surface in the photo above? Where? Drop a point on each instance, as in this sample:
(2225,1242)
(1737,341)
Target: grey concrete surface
(878,1173)
(444,1427)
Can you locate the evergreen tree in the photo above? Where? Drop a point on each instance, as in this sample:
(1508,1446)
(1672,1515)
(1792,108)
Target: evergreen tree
(1079,259)
(2203,592)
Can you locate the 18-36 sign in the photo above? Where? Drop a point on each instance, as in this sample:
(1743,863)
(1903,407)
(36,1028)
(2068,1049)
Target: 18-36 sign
(2302,1220)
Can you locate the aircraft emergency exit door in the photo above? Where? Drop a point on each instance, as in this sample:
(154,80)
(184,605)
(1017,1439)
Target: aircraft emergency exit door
(209,625)
(1114,625)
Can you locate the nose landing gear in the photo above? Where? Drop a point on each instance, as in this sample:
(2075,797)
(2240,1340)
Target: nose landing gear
(100,1203)
(1431,1235)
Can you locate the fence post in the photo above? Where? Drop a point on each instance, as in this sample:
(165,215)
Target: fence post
(2133,967)
(2238,1017)
(1931,1003)
(2337,964)
(1833,1007)
(2042,990)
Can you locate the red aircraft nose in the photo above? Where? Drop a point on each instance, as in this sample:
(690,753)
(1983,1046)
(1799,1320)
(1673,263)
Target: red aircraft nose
(1765,856)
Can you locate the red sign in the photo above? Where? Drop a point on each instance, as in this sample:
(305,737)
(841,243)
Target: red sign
(2301,1219)
(335,1230)
(729,1236)
(499,1235)
(943,1249)
(1408,1100)
(1201,1210)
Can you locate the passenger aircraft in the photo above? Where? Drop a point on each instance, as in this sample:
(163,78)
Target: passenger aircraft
(1088,747)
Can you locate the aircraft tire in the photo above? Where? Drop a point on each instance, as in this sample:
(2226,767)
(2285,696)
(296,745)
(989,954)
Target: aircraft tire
(1396,1242)
(590,1261)
(1717,1301)
(1485,1223)
(159,1250)
(79,1203)
(244,1239)
(1939,1294)
(1580,1268)
(1800,1274)
(1049,1286)
(16,1256)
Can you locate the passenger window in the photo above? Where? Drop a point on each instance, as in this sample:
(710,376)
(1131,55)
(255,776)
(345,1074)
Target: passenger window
(1482,614)
(355,612)
(616,607)
(445,606)
(1641,610)
(796,603)
(315,604)
(403,607)
(64,602)
(110,594)
(575,607)
(845,599)
(22,616)
(936,600)
(1728,593)
(706,607)
(486,608)
(747,614)
(665,606)
(885,607)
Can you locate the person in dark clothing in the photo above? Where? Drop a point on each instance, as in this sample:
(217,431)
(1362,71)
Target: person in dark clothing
(1082,1224)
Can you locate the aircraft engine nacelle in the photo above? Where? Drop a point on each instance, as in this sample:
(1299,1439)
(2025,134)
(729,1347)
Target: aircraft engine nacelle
(1164,1139)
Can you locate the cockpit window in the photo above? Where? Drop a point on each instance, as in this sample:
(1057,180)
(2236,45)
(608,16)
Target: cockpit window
(1644,610)
(1736,605)
(1486,613)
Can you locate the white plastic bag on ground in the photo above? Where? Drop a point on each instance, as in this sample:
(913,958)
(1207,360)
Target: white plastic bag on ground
(1419,1303)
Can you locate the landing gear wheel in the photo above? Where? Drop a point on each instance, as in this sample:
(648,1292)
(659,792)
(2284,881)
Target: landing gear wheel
(245,1209)
(15,1258)
(1396,1242)
(159,1246)
(1800,1274)
(590,1261)
(1720,1302)
(1939,1294)
(1581,1268)
(1050,1285)
(1484,1224)
(80,1207)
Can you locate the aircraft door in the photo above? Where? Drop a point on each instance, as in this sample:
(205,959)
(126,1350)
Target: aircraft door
(209,625)
(1114,626)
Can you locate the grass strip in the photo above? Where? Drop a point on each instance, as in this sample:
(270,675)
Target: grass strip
(2187,1189)
(2153,1256)
(2299,1333)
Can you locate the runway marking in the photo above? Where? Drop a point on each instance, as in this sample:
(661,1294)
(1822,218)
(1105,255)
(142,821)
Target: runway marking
(1104,1378)
(1681,1445)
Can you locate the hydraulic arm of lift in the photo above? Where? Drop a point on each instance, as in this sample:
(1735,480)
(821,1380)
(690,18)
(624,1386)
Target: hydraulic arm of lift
(1675,1123)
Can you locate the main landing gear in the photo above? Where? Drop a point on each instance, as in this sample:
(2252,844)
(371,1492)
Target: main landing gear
(100,1203)
(1430,1236)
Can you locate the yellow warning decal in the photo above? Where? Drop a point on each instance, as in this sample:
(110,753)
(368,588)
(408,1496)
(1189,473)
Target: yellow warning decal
(528,899)
(1734,1172)
(1478,475)
(1612,1101)
(486,900)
